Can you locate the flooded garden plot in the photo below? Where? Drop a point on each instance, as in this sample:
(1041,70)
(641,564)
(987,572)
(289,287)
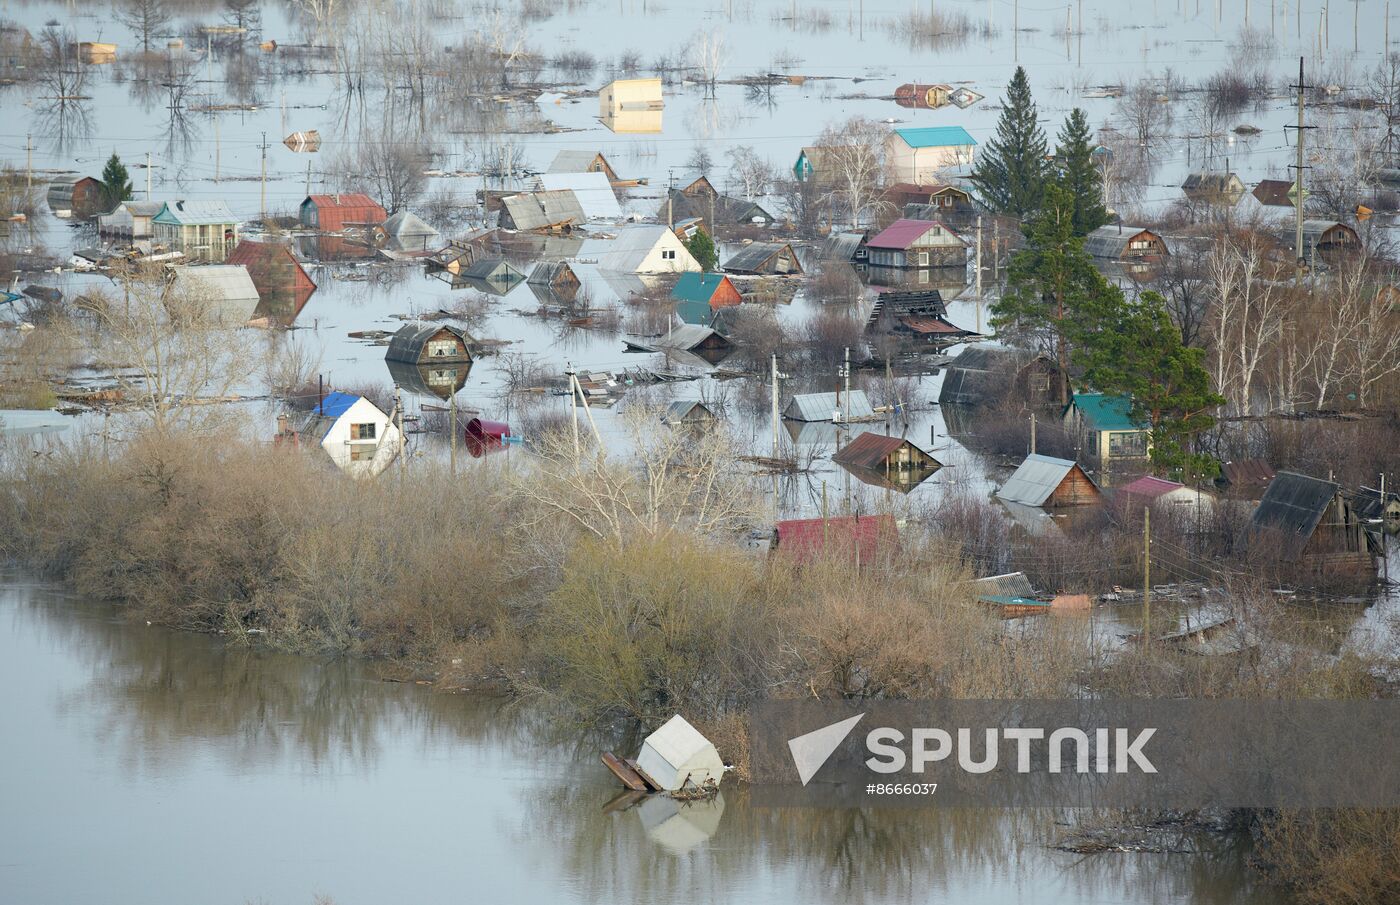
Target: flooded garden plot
(723,273)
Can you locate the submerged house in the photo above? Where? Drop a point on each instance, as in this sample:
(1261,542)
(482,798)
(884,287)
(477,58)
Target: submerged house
(1045,481)
(914,96)
(987,374)
(75,196)
(1125,243)
(712,290)
(861,539)
(570,161)
(558,278)
(688,412)
(430,358)
(203,230)
(1274,193)
(1169,497)
(494,275)
(1214,188)
(541,210)
(278,275)
(1245,478)
(641,248)
(765,258)
(131,221)
(918,316)
(359,438)
(917,243)
(333,213)
(631,105)
(227,289)
(592,190)
(1308,521)
(703,341)
(711,208)
(1111,434)
(829,407)
(1323,236)
(405,232)
(921,155)
(882,460)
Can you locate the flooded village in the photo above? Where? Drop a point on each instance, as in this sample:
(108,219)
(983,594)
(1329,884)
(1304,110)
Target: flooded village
(462,416)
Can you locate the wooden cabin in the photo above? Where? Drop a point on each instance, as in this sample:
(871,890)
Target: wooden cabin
(571,161)
(1111,435)
(276,272)
(333,213)
(881,453)
(420,343)
(765,258)
(1125,243)
(922,97)
(75,196)
(688,412)
(1214,188)
(1045,481)
(1310,522)
(985,374)
(941,198)
(1323,237)
(917,243)
(556,276)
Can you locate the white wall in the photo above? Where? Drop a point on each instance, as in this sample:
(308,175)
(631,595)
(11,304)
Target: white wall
(388,442)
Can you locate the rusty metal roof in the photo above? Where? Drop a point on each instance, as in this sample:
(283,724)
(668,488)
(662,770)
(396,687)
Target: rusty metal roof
(860,536)
(869,450)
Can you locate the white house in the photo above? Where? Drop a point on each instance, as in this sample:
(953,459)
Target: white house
(360,438)
(641,248)
(921,155)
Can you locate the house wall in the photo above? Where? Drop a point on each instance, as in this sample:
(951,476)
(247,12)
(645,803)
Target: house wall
(922,165)
(444,346)
(726,295)
(656,260)
(362,457)
(624,93)
(210,242)
(1075,490)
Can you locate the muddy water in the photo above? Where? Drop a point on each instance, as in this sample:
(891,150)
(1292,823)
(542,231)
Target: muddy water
(146,766)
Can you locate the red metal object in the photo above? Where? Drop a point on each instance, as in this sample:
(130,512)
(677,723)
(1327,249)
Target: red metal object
(482,436)
(862,537)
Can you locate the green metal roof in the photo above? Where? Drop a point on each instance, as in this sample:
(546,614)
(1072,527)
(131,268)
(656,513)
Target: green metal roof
(697,287)
(1106,413)
(936,137)
(695,311)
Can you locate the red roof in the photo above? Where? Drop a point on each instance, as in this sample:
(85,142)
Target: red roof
(927,324)
(902,233)
(1149,487)
(864,536)
(334,211)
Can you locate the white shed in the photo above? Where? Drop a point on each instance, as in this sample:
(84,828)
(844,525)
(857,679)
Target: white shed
(677,755)
(679,826)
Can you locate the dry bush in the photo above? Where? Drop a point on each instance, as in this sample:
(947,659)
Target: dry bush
(1333,857)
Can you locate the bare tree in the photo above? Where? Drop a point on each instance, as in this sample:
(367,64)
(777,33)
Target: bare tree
(1249,305)
(1145,112)
(147,18)
(700,160)
(388,170)
(749,171)
(707,56)
(854,161)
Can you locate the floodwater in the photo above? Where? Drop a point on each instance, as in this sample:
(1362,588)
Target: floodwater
(148,766)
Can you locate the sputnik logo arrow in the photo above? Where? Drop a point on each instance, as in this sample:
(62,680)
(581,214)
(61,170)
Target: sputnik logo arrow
(811,751)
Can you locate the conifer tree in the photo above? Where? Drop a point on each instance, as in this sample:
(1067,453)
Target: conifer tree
(702,248)
(1075,155)
(1010,173)
(116,184)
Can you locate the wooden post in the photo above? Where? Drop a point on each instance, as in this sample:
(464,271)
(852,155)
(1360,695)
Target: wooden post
(775,405)
(1032,433)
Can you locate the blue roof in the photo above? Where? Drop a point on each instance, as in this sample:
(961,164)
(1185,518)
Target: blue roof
(935,136)
(1106,413)
(336,404)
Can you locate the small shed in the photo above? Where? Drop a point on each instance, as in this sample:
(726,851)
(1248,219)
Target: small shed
(75,196)
(405,231)
(713,289)
(1123,243)
(226,288)
(765,258)
(1111,433)
(1323,236)
(845,247)
(882,453)
(541,210)
(988,374)
(917,243)
(677,756)
(1214,188)
(829,407)
(862,538)
(420,343)
(332,213)
(1045,481)
(275,271)
(691,412)
(1307,520)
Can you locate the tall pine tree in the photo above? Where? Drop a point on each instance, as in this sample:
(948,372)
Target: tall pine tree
(116,184)
(1075,156)
(1010,173)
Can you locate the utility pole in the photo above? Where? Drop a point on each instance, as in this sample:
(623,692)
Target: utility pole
(308,179)
(978,277)
(263,204)
(452,408)
(403,439)
(573,404)
(29,162)
(1032,433)
(1298,183)
(1146,575)
(218,148)
(148,175)
(1385,536)
(775,405)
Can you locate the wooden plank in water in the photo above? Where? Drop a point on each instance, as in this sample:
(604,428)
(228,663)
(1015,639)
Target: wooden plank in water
(624,772)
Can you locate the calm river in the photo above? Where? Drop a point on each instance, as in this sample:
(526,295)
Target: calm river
(141,765)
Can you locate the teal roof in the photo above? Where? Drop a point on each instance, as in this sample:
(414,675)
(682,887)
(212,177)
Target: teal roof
(1011,601)
(936,136)
(695,311)
(697,287)
(1106,413)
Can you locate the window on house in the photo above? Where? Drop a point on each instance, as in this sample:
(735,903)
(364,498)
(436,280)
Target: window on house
(1140,244)
(1040,383)
(1123,444)
(441,348)
(668,255)
(362,431)
(923,259)
(361,453)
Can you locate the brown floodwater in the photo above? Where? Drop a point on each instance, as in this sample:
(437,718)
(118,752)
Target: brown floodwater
(141,765)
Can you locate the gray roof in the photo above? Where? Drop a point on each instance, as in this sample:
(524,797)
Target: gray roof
(223,282)
(1110,241)
(842,246)
(573,161)
(677,411)
(487,268)
(822,406)
(538,210)
(408,342)
(1313,230)
(407,225)
(682,338)
(982,373)
(196,213)
(1291,510)
(593,191)
(752,258)
(1035,479)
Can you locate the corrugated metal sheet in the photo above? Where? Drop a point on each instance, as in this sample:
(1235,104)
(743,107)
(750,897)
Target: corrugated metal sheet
(861,537)
(1105,413)
(1149,487)
(195,213)
(1035,479)
(1290,512)
(901,234)
(822,406)
(1012,584)
(756,258)
(870,450)
(593,190)
(683,410)
(540,210)
(333,212)
(223,282)
(936,137)
(1247,473)
(683,338)
(842,246)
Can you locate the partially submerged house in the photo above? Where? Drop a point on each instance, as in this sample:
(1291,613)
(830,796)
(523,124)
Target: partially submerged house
(406,233)
(1275,193)
(895,459)
(855,406)
(593,192)
(986,374)
(712,290)
(558,278)
(1125,243)
(917,243)
(845,247)
(202,230)
(1048,482)
(280,278)
(861,539)
(1321,237)
(1310,522)
(334,213)
(712,209)
(765,258)
(641,248)
(703,341)
(688,412)
(915,96)
(1376,509)
(423,342)
(360,439)
(921,155)
(1245,478)
(631,105)
(918,316)
(1011,595)
(1168,497)
(1214,188)
(227,290)
(75,196)
(496,276)
(130,222)
(572,161)
(1111,434)
(541,210)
